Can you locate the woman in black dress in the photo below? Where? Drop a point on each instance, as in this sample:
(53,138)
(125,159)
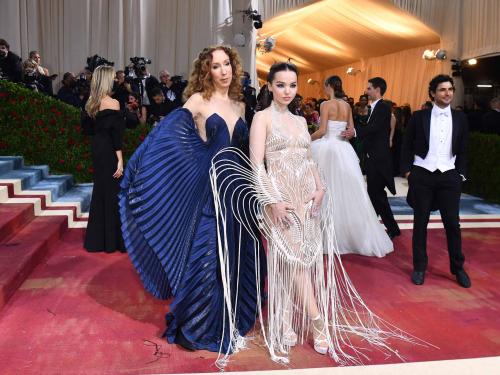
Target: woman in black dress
(104,120)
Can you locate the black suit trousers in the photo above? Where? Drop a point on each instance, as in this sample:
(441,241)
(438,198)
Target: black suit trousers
(442,189)
(376,183)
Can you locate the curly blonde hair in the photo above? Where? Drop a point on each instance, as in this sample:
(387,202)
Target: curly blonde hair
(200,79)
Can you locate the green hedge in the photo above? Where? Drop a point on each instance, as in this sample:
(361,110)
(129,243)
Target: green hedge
(47,131)
(483,171)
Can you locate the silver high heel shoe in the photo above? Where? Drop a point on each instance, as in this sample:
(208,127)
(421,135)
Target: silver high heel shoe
(289,335)
(320,336)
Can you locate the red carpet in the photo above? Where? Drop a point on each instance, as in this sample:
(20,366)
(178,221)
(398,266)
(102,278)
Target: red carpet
(82,313)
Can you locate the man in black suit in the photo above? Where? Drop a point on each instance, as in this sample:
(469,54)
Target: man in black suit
(433,159)
(375,138)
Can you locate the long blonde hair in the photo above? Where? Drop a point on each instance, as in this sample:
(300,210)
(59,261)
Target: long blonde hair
(200,79)
(100,86)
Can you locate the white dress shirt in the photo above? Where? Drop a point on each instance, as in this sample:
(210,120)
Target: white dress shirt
(440,156)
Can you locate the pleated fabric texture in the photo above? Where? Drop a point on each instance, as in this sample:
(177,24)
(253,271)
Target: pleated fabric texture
(170,231)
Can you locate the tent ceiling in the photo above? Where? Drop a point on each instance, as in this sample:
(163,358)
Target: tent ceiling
(331,33)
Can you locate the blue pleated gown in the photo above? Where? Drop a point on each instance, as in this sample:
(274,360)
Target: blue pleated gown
(170,232)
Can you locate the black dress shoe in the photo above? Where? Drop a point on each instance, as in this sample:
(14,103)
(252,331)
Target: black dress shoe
(463,279)
(393,234)
(418,277)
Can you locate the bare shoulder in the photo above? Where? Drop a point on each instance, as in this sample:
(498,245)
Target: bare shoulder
(109,103)
(324,105)
(195,104)
(261,119)
(261,116)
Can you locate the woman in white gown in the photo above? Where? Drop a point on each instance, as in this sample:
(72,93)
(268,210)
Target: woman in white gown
(357,228)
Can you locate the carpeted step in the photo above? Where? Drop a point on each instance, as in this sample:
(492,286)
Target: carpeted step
(13,217)
(79,193)
(22,252)
(58,185)
(29,176)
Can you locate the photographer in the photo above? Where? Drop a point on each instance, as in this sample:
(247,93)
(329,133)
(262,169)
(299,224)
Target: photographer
(172,88)
(160,107)
(141,80)
(121,89)
(36,76)
(134,107)
(85,76)
(68,91)
(10,63)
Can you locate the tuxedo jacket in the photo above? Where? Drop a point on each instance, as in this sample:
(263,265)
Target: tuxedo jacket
(416,139)
(375,138)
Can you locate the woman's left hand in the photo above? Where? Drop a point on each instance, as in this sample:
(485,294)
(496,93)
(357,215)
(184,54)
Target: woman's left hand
(119,169)
(316,197)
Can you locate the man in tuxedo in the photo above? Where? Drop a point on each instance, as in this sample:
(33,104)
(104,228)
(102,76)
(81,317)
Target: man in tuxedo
(375,138)
(433,159)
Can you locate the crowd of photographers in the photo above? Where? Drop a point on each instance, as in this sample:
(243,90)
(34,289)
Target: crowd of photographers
(137,90)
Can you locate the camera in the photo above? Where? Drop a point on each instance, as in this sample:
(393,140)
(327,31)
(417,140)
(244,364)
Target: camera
(30,76)
(95,61)
(139,65)
(82,85)
(179,83)
(31,79)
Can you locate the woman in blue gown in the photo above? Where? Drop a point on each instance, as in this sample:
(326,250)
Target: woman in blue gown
(168,218)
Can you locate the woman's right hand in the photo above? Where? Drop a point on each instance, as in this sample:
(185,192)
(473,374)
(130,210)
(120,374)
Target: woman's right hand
(279,214)
(119,169)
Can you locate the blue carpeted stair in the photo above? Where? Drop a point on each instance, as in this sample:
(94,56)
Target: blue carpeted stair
(37,177)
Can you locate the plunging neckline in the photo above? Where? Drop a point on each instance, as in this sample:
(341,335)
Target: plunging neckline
(222,118)
(225,123)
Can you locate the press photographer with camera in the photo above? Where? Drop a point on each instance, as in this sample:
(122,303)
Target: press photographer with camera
(121,89)
(172,87)
(141,80)
(68,91)
(159,108)
(37,77)
(10,63)
(134,107)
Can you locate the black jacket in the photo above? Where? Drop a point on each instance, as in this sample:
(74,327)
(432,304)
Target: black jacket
(11,67)
(151,82)
(375,134)
(375,138)
(416,139)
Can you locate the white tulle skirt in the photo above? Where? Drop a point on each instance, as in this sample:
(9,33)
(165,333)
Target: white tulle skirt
(357,228)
